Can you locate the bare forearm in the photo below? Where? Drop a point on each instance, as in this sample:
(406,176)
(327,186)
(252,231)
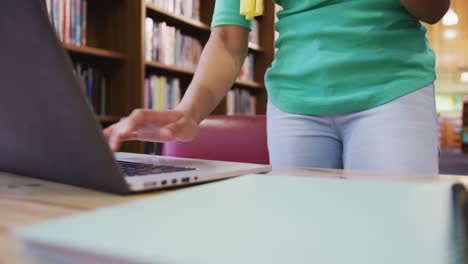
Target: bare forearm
(217,70)
(429,11)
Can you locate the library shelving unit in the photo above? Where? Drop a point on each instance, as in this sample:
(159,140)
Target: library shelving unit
(115,43)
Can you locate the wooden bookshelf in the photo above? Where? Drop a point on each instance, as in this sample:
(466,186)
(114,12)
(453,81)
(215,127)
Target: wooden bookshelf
(115,43)
(101,53)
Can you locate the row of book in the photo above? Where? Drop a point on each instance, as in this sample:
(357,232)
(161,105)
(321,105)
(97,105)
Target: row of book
(246,72)
(162,93)
(167,44)
(94,85)
(69,20)
(188,8)
(240,102)
(191,8)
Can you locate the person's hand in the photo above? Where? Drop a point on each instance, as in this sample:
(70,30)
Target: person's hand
(150,125)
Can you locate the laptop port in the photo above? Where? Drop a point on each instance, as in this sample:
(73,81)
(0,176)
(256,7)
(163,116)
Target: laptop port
(163,182)
(174,181)
(185,180)
(150,184)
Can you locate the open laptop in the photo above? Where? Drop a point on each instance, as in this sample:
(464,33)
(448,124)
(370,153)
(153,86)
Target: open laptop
(49,131)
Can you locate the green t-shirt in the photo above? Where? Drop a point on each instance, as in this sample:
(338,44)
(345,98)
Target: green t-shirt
(341,56)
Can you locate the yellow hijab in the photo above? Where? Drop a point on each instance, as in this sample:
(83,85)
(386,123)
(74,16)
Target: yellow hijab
(251,8)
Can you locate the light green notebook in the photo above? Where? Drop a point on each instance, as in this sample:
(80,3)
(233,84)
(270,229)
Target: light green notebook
(264,219)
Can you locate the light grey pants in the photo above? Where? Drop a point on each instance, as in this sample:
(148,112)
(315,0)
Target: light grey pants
(400,136)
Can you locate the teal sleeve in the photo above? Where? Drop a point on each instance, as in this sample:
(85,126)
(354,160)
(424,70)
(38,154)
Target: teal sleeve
(227,12)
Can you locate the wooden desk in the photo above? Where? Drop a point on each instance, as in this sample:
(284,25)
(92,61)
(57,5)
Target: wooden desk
(26,200)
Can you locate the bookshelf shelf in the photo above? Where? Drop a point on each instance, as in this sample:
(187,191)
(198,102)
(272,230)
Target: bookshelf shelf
(255,47)
(170,68)
(191,72)
(180,21)
(250,84)
(102,53)
(109,118)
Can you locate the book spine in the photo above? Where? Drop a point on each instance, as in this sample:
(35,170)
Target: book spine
(177,57)
(147,93)
(170,7)
(177,8)
(172,46)
(240,102)
(162,93)
(78,12)
(96,90)
(83,82)
(89,85)
(149,39)
(245,102)
(103,96)
(79,75)
(154,89)
(189,8)
(60,19)
(168,94)
(65,20)
(197,10)
(163,38)
(156,42)
(181,49)
(251,67)
(84,17)
(176,93)
(253,105)
(168,45)
(72,22)
(230,103)
(237,103)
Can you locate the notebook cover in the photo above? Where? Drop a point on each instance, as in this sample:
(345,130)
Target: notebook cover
(269,219)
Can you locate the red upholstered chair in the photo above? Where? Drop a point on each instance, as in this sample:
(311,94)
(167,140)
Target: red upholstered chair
(226,138)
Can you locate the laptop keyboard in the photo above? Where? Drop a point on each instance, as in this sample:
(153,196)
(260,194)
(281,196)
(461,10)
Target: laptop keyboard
(139,169)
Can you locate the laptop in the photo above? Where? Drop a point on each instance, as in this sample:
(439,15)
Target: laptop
(49,131)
